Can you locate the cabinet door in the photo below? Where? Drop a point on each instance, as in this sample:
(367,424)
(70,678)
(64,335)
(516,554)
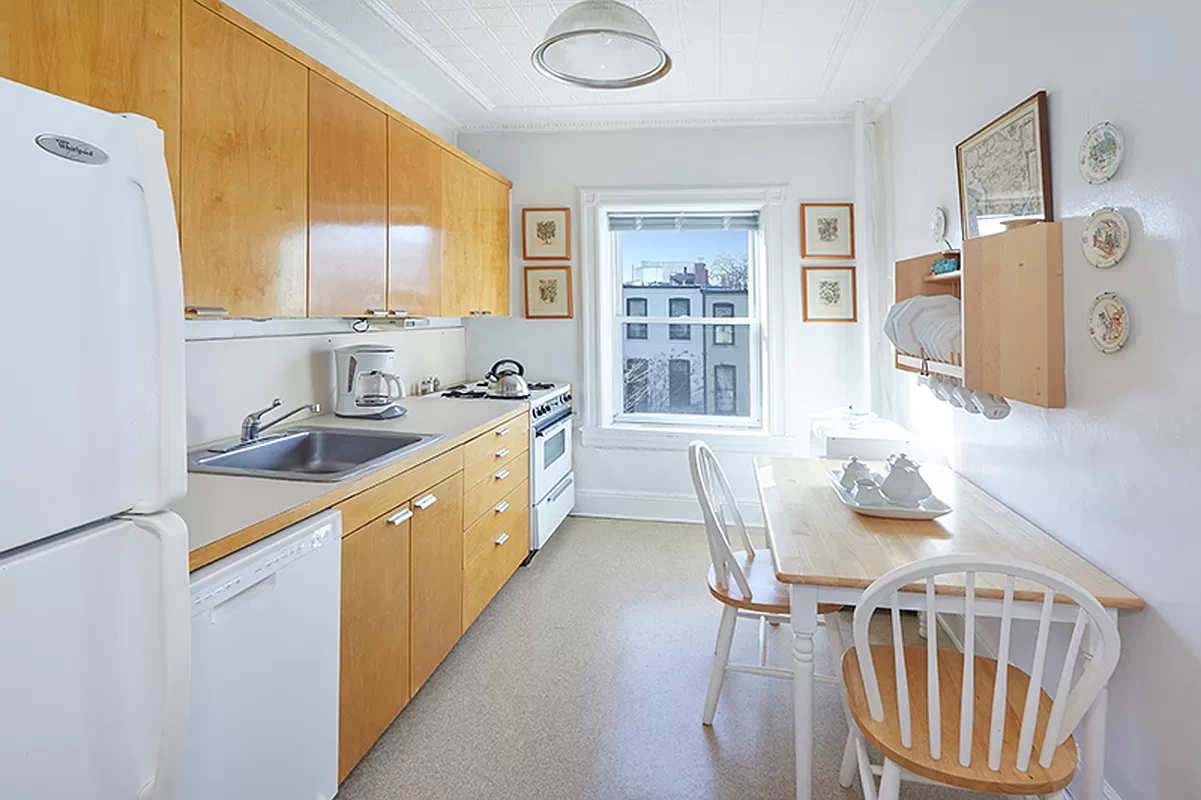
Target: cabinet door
(348,203)
(415,222)
(375,635)
(437,614)
(118,55)
(494,263)
(244,152)
(462,240)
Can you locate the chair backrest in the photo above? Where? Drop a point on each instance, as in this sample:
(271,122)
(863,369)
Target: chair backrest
(1069,703)
(716,499)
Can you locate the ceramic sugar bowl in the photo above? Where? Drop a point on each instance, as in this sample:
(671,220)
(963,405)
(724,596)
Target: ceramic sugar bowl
(852,471)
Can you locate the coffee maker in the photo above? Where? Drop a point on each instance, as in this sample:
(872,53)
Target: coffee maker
(368,387)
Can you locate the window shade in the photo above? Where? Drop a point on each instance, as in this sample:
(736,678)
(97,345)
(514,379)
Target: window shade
(740,221)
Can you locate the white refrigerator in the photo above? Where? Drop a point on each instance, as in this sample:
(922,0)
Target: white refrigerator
(94,625)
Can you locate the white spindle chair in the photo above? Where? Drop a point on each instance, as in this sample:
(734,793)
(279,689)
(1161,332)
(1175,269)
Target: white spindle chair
(745,583)
(1000,731)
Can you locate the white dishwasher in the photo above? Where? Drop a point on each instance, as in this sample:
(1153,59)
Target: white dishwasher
(263,715)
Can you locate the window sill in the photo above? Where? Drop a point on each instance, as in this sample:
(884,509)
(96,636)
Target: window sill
(662,437)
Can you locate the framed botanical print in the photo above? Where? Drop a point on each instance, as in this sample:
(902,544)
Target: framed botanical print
(828,294)
(546,234)
(1005,170)
(548,292)
(827,230)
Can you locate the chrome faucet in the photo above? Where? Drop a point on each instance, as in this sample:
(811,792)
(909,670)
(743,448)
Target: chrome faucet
(253,427)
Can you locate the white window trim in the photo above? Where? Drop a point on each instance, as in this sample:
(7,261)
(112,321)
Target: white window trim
(601,337)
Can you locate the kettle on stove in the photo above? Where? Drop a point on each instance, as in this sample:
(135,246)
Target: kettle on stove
(506,380)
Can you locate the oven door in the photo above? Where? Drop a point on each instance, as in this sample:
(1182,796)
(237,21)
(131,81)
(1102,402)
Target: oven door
(552,448)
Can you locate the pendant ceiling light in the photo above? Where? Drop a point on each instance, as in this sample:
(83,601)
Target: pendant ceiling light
(602,44)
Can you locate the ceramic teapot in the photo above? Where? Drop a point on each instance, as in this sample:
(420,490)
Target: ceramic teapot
(852,471)
(904,485)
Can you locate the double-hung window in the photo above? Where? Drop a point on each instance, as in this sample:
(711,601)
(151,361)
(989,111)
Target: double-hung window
(676,324)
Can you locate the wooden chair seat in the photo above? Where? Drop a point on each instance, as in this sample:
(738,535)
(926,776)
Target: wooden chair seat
(768,595)
(886,735)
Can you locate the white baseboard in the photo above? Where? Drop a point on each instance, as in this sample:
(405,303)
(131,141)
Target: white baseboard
(986,645)
(652,506)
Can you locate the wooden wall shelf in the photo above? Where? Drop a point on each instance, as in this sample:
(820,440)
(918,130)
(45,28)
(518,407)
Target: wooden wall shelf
(1011,285)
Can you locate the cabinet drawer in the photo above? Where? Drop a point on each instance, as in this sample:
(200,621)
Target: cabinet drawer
(484,454)
(491,568)
(365,506)
(481,497)
(500,518)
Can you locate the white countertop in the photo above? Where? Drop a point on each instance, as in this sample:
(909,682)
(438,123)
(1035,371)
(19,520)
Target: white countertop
(219,505)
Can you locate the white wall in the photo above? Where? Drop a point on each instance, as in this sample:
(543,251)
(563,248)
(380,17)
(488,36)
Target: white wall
(229,378)
(1112,475)
(816,164)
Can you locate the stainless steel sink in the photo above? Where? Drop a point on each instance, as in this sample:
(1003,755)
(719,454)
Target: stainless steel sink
(308,454)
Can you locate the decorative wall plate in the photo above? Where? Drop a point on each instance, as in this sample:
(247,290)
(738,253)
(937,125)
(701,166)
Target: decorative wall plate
(1101,152)
(1105,238)
(938,224)
(1108,322)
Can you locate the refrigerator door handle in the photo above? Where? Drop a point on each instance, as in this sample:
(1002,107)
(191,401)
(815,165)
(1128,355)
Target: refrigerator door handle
(168,311)
(177,651)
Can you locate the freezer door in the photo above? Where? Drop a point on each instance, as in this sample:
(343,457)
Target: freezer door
(91,313)
(94,676)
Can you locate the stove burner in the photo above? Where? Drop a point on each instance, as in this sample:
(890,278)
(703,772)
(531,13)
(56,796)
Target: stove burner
(464,393)
(542,386)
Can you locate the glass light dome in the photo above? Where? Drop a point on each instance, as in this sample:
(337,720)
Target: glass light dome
(602,44)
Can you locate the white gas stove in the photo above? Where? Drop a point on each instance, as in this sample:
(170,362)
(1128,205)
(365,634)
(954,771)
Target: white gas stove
(552,481)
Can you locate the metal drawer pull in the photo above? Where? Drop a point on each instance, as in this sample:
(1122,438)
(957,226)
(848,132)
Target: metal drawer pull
(504,537)
(400,518)
(502,431)
(425,502)
(377,312)
(398,312)
(500,476)
(502,508)
(501,453)
(207,311)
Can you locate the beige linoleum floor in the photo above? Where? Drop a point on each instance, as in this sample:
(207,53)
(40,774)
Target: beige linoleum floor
(584,680)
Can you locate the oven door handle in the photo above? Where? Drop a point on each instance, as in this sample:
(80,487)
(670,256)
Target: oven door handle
(551,430)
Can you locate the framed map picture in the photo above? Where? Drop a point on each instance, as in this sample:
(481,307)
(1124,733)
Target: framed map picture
(546,234)
(548,292)
(827,230)
(828,294)
(1005,170)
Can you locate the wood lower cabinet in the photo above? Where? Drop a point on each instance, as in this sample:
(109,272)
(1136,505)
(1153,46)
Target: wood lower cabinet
(437,577)
(244,183)
(375,634)
(414,223)
(118,55)
(348,203)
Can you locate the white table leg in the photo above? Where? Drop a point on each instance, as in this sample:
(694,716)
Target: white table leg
(1093,749)
(804,626)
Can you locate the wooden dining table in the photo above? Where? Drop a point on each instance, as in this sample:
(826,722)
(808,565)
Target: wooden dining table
(828,553)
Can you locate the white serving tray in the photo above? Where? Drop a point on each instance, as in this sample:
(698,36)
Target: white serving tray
(929,508)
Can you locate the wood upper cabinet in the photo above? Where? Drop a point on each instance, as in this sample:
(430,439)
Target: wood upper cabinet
(461,236)
(244,184)
(375,634)
(348,203)
(437,577)
(475,260)
(494,286)
(118,55)
(414,222)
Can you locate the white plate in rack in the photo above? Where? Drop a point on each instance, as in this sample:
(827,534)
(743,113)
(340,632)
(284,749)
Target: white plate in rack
(930,508)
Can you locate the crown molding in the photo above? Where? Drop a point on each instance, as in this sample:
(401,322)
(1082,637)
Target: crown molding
(636,116)
(319,27)
(389,16)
